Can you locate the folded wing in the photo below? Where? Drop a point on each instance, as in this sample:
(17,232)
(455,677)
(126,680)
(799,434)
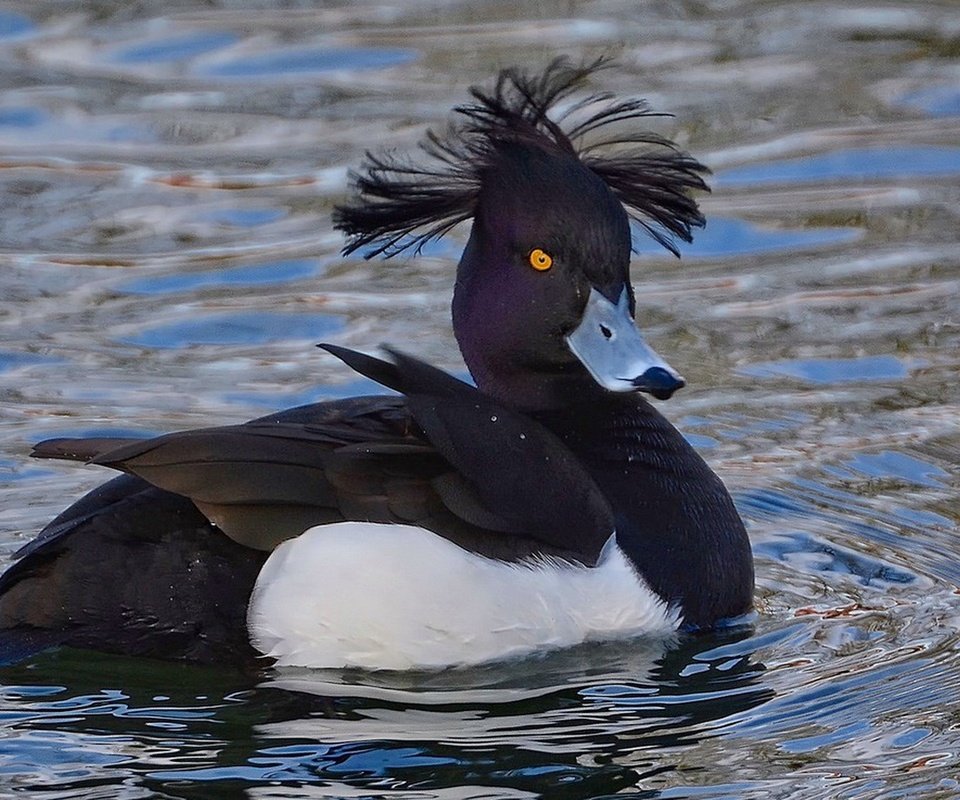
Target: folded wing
(443,456)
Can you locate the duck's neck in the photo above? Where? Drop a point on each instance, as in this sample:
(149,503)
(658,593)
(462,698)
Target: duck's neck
(623,428)
(490,321)
(675,518)
(528,382)
(537,389)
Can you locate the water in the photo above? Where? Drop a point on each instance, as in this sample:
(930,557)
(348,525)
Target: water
(167,172)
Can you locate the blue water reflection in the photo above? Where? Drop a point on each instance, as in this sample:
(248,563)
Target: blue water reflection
(867,163)
(175,48)
(310,60)
(21,117)
(305,762)
(13,24)
(897,465)
(9,361)
(247,275)
(246,217)
(809,553)
(938,101)
(724,237)
(832,370)
(14,470)
(243,328)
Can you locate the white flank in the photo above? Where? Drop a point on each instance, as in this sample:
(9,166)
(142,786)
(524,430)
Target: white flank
(398,597)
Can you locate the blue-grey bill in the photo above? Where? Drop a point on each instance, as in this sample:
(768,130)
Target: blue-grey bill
(608,343)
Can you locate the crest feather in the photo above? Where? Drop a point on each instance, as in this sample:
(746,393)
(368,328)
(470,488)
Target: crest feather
(402,205)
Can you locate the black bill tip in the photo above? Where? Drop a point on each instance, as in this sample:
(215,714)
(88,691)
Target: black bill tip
(659,382)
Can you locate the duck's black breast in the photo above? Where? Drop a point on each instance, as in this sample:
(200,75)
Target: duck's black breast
(674,517)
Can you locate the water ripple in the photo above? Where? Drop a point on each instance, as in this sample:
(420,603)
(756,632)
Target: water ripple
(169,263)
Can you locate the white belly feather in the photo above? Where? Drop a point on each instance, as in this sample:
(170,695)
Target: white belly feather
(399,597)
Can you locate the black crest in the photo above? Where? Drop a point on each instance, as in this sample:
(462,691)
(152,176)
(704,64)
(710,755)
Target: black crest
(402,204)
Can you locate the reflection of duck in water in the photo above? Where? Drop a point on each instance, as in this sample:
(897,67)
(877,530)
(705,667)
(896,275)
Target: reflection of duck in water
(623,701)
(602,717)
(549,506)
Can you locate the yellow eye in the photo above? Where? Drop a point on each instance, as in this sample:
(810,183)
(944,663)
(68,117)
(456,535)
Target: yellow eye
(540,260)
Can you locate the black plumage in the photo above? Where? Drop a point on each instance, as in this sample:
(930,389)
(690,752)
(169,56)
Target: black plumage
(538,460)
(402,204)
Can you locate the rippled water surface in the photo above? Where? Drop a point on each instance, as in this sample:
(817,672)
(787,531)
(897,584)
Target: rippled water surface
(167,261)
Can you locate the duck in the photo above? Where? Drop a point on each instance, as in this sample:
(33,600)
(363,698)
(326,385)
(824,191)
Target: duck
(545,504)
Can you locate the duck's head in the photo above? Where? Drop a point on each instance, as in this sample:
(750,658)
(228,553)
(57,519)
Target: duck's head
(543,307)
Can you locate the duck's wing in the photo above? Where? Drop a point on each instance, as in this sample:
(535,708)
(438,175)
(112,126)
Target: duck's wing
(444,457)
(270,479)
(503,463)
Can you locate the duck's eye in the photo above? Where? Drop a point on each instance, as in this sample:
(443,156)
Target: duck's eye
(540,260)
